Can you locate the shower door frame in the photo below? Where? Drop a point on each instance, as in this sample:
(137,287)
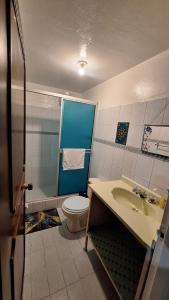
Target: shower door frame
(94,103)
(61,99)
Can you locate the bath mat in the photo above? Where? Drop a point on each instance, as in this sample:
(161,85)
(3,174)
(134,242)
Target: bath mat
(41,220)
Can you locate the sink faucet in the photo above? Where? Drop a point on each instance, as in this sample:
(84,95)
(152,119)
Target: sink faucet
(139,192)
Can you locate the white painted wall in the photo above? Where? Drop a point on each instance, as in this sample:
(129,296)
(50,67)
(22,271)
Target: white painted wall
(148,80)
(36,86)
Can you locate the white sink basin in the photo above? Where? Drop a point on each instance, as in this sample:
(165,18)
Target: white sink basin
(129,200)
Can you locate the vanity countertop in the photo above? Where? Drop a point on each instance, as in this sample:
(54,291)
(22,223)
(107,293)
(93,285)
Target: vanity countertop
(144,227)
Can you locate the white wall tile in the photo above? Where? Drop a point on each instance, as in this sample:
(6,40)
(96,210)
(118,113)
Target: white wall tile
(158,190)
(160,174)
(105,162)
(166,113)
(135,136)
(155,112)
(118,157)
(124,162)
(38,206)
(144,167)
(115,173)
(114,115)
(141,181)
(125,113)
(138,113)
(129,164)
(94,163)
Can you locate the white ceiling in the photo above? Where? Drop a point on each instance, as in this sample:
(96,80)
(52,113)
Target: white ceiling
(117,35)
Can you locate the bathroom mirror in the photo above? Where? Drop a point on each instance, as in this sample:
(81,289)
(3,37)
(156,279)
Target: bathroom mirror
(156,140)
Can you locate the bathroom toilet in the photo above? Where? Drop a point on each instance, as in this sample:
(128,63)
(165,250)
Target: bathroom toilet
(75,208)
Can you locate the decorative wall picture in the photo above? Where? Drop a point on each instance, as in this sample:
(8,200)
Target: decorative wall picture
(156,140)
(122,133)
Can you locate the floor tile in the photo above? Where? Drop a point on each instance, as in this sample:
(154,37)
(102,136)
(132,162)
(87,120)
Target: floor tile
(83,265)
(55,278)
(98,286)
(27,288)
(47,238)
(75,291)
(75,248)
(95,261)
(92,288)
(36,242)
(27,244)
(55,275)
(63,251)
(27,264)
(39,282)
(37,261)
(82,241)
(51,256)
(69,272)
(61,295)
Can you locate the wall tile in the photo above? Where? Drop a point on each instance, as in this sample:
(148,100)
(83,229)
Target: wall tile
(38,206)
(166,113)
(138,113)
(135,136)
(141,181)
(158,190)
(160,174)
(118,157)
(104,168)
(94,164)
(144,167)
(129,164)
(155,112)
(125,113)
(116,172)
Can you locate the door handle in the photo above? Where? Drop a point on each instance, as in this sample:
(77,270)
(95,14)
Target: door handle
(27,186)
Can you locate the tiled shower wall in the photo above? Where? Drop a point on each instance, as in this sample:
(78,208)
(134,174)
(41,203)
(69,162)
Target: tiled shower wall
(111,161)
(42,139)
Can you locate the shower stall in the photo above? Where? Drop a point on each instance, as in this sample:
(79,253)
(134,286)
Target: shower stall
(52,124)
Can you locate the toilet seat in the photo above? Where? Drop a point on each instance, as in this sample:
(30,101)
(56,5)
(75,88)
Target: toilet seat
(76,205)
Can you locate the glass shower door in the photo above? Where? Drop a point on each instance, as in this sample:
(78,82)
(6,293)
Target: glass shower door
(42,144)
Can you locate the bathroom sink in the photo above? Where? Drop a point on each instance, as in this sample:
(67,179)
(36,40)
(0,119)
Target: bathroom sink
(129,199)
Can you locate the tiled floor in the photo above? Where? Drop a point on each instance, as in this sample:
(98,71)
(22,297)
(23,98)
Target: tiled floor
(57,268)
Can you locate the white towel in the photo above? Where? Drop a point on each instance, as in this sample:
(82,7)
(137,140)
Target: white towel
(73,159)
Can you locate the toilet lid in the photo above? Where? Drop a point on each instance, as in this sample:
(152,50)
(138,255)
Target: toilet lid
(76,203)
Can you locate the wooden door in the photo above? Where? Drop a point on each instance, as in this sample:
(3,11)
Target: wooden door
(12,147)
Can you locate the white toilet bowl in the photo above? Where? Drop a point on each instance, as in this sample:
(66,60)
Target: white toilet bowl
(75,208)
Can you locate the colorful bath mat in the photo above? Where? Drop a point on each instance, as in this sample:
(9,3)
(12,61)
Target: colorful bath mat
(41,220)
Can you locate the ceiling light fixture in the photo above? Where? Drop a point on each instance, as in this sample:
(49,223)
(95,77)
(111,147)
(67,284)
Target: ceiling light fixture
(82,64)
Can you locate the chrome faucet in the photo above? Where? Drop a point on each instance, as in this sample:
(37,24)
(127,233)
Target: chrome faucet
(139,192)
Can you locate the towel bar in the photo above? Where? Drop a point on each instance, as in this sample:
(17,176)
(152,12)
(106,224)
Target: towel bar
(87,150)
